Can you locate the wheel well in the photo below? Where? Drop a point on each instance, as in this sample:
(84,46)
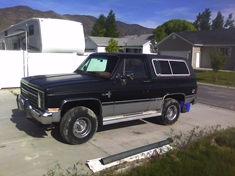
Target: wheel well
(94,105)
(177,97)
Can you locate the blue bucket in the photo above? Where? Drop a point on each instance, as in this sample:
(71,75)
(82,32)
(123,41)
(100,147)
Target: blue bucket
(185,107)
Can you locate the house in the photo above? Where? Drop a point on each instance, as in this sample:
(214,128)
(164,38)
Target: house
(197,46)
(128,44)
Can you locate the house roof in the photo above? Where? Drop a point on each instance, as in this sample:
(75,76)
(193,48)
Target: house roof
(137,40)
(206,37)
(210,37)
(103,41)
(130,40)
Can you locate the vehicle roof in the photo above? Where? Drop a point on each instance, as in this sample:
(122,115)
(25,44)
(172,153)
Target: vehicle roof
(149,56)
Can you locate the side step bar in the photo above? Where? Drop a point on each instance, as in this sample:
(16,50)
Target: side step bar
(130,117)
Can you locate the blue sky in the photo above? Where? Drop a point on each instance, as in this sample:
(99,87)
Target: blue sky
(147,13)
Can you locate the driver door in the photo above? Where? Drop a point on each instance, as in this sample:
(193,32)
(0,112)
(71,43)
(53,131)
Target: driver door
(131,87)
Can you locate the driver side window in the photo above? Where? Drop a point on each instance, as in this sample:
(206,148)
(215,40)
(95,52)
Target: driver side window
(136,66)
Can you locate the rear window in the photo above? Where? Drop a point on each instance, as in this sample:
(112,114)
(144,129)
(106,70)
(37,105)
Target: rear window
(167,67)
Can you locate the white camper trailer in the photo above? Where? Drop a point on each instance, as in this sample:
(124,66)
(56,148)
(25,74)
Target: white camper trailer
(44,35)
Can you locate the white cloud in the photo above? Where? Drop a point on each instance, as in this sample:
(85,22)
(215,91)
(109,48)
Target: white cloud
(148,24)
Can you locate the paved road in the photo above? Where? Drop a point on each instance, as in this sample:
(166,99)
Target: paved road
(216,96)
(26,149)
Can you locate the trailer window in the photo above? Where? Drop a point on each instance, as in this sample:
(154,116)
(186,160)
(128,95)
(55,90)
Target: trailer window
(31,29)
(15,46)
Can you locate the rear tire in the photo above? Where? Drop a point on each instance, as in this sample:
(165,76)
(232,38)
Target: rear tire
(170,112)
(78,125)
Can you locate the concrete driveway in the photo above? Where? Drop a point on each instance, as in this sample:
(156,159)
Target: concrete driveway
(26,149)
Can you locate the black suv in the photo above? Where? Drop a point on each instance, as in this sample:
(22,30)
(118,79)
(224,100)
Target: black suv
(109,88)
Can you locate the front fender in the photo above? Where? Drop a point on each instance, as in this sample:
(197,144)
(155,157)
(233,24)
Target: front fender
(92,103)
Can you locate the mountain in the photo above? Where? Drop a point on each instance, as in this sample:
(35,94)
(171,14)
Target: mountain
(14,15)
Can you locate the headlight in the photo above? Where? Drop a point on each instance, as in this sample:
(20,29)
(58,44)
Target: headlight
(41,100)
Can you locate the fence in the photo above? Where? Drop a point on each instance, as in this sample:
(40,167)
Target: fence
(17,64)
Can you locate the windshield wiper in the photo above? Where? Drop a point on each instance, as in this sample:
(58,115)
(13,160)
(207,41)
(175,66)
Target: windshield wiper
(88,72)
(79,71)
(94,73)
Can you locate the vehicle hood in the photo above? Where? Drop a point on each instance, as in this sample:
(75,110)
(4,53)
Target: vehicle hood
(55,80)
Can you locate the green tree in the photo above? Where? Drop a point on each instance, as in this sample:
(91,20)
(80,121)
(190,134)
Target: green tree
(218,22)
(99,27)
(153,46)
(159,33)
(112,46)
(110,26)
(105,26)
(230,21)
(172,26)
(217,61)
(202,21)
(196,23)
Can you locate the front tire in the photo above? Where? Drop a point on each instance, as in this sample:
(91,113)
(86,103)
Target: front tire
(170,112)
(78,125)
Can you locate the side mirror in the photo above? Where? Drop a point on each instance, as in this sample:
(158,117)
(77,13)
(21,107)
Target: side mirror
(121,78)
(129,74)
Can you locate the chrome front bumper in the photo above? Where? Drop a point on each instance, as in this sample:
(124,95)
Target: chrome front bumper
(35,114)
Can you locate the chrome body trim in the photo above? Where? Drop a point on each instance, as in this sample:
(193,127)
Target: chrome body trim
(129,117)
(36,114)
(190,99)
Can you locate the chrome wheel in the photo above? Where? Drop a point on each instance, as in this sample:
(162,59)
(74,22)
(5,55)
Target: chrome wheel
(171,113)
(82,127)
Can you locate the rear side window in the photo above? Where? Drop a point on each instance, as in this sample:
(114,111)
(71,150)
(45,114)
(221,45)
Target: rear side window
(167,67)
(179,68)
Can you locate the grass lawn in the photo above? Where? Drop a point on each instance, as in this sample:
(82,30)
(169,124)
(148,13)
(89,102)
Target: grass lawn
(224,78)
(204,154)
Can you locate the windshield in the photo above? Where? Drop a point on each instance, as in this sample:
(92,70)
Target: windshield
(101,65)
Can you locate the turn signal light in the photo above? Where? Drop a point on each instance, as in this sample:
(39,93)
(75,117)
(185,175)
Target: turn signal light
(53,109)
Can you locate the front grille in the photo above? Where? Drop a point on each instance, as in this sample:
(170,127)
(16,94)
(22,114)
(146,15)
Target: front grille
(30,93)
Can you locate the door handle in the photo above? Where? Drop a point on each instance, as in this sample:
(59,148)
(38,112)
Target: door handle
(146,81)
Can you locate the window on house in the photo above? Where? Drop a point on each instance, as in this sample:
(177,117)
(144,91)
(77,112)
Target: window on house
(227,51)
(31,29)
(131,50)
(6,33)
(18,43)
(1,46)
